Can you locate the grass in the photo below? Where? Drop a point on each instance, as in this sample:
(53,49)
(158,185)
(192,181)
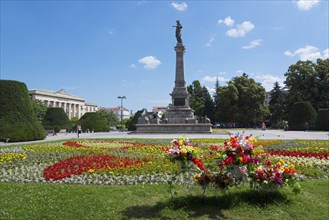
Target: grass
(60,201)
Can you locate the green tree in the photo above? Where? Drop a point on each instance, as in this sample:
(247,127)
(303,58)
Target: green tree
(56,119)
(241,101)
(74,122)
(308,81)
(322,120)
(201,101)
(277,104)
(196,98)
(92,121)
(39,109)
(322,84)
(227,103)
(301,113)
(108,117)
(18,122)
(209,105)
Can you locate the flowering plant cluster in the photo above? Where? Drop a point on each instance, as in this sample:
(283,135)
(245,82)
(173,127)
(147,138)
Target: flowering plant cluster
(238,160)
(183,152)
(117,162)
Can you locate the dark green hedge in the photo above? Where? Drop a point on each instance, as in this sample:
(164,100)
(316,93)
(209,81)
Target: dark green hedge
(302,112)
(322,121)
(134,120)
(93,122)
(17,119)
(56,119)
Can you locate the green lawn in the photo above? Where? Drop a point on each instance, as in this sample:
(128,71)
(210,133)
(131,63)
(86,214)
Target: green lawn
(60,201)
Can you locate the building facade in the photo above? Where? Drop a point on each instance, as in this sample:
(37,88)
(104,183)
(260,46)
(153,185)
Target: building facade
(117,111)
(73,106)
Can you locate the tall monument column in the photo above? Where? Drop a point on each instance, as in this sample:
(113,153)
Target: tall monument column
(179,95)
(178,117)
(179,80)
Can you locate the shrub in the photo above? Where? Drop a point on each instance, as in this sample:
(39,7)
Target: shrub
(322,121)
(56,119)
(302,112)
(18,121)
(134,120)
(93,122)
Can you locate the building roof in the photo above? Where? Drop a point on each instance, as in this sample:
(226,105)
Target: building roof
(61,93)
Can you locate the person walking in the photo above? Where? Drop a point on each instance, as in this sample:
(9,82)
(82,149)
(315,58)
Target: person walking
(263,126)
(78,130)
(307,127)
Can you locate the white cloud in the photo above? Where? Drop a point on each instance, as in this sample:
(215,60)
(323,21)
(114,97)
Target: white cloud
(268,80)
(306,5)
(308,53)
(211,90)
(133,66)
(253,44)
(227,21)
(179,7)
(213,79)
(241,29)
(149,62)
(325,54)
(210,41)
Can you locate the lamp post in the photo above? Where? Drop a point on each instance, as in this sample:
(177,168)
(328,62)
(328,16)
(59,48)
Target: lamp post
(121,97)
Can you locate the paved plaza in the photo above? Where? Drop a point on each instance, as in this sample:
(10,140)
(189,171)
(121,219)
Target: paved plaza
(268,134)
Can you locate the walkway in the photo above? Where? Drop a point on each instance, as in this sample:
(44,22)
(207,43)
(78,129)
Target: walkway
(268,134)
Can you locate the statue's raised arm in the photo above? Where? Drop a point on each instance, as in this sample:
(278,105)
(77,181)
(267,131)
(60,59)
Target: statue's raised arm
(178,31)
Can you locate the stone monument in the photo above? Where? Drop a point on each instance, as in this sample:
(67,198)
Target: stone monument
(179,117)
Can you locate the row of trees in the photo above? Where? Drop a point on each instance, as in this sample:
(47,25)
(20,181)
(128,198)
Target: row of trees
(23,119)
(55,119)
(241,101)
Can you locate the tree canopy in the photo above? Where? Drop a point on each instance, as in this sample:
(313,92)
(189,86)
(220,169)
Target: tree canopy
(201,101)
(308,81)
(39,109)
(241,101)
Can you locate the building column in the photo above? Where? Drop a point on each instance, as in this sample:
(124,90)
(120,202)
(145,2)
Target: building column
(78,111)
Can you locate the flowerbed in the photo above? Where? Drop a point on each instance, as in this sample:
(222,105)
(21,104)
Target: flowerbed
(112,162)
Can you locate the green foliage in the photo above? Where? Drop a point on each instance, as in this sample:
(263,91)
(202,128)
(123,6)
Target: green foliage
(277,104)
(240,101)
(17,119)
(108,117)
(92,121)
(227,103)
(322,120)
(302,112)
(201,101)
(131,125)
(39,109)
(308,81)
(56,119)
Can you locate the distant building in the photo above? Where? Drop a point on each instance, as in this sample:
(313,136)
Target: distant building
(117,111)
(267,98)
(74,106)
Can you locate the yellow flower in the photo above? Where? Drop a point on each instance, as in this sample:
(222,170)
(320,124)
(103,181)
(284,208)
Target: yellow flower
(260,168)
(252,140)
(183,151)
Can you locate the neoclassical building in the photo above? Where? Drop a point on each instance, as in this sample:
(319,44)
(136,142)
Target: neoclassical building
(74,106)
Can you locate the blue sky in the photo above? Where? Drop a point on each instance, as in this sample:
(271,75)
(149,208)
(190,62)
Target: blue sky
(100,50)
